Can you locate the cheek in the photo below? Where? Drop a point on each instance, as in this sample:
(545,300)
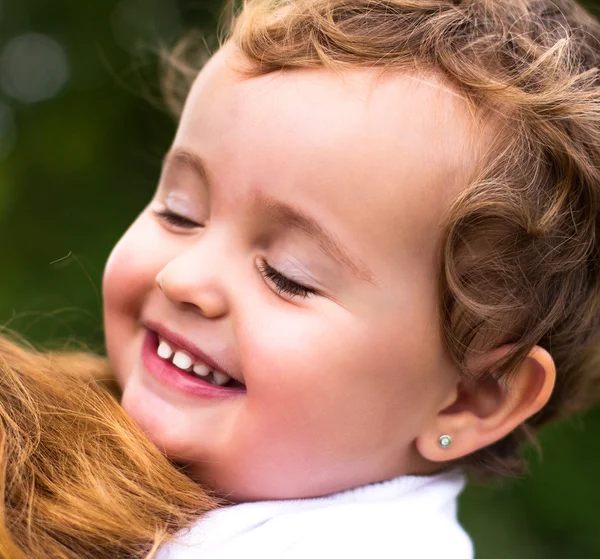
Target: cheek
(334,374)
(129,277)
(347,373)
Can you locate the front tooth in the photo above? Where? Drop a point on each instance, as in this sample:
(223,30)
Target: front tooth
(164,350)
(201,370)
(221,378)
(182,360)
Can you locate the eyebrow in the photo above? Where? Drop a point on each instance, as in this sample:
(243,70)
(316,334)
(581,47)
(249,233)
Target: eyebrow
(287,216)
(284,215)
(179,157)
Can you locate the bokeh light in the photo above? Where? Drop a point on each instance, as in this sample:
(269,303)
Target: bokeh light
(33,68)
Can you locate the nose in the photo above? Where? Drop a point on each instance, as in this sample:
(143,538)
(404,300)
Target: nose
(194,280)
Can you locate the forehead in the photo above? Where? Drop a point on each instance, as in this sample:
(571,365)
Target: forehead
(378,153)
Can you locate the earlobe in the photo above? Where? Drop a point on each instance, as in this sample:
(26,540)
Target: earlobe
(485,412)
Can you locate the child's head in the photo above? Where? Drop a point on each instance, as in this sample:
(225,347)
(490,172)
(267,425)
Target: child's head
(381,219)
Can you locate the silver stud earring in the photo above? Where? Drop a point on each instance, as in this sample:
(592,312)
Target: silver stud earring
(445,441)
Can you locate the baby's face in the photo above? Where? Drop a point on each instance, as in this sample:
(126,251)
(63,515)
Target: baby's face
(339,182)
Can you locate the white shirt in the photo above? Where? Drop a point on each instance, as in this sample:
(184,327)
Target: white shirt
(408,517)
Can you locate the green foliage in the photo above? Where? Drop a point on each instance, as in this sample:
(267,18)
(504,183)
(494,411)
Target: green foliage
(85,161)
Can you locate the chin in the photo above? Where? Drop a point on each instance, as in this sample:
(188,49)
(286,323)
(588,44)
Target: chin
(156,422)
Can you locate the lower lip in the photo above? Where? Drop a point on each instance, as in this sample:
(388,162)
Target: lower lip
(173,376)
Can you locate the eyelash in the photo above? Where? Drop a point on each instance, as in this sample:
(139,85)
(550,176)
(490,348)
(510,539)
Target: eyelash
(282,283)
(177,220)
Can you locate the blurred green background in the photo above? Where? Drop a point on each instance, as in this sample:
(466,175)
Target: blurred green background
(81,139)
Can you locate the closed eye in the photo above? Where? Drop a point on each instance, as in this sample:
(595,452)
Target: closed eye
(178,220)
(283,284)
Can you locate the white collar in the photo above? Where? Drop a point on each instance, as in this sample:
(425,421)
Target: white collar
(436,492)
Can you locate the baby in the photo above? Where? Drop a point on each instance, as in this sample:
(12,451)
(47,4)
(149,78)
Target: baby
(371,264)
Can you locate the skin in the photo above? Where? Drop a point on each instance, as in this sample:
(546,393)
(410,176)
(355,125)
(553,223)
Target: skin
(341,384)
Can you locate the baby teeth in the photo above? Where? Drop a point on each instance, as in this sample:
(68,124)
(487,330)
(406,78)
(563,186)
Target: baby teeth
(201,370)
(221,378)
(182,360)
(164,350)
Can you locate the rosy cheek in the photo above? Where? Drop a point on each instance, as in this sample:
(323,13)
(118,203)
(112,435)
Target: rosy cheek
(129,278)
(133,265)
(125,277)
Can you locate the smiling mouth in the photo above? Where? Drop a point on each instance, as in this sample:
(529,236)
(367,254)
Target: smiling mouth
(168,352)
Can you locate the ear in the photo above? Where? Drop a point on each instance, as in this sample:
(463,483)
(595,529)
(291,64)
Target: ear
(477,416)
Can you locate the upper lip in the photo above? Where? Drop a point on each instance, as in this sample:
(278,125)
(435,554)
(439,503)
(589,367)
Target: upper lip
(195,352)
